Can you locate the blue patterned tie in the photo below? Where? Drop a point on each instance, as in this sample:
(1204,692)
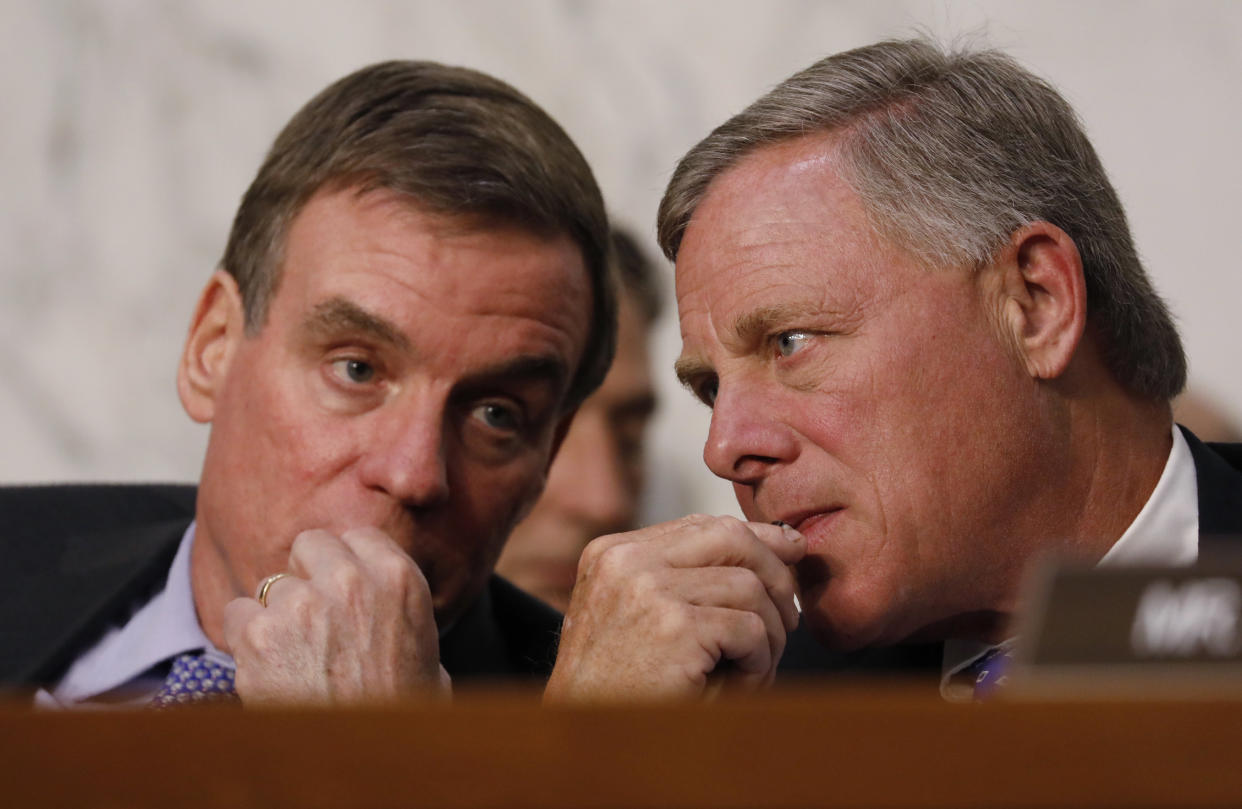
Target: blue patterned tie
(991,672)
(196,678)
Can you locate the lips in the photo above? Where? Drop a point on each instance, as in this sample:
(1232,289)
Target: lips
(816,526)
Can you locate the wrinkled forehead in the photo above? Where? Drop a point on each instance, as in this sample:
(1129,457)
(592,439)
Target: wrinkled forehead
(772,201)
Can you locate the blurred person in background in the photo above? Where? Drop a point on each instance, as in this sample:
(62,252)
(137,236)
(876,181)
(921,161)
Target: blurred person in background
(595,484)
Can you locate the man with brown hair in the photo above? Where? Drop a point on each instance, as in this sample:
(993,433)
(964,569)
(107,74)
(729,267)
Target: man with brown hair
(909,295)
(413,301)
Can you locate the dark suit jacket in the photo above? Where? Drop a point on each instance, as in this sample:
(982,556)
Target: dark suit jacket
(1218,469)
(77,559)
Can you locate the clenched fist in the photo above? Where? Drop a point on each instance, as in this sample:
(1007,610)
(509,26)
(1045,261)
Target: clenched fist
(662,611)
(352,623)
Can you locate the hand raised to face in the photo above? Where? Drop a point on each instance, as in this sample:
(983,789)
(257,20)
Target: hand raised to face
(353,622)
(656,612)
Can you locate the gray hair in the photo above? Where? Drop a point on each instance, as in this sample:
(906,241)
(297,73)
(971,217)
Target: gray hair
(951,152)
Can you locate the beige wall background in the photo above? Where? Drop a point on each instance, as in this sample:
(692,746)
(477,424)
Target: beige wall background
(130,130)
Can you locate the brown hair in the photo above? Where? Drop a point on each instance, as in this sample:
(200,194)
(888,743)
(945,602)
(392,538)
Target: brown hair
(636,275)
(458,143)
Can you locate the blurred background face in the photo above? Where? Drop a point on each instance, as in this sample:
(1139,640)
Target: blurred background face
(594,484)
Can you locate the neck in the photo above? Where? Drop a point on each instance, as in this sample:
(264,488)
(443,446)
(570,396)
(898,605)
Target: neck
(212,588)
(1119,451)
(1101,455)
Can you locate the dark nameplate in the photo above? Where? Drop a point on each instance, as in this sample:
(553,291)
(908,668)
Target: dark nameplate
(1095,630)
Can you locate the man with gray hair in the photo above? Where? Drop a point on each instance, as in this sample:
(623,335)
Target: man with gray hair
(909,294)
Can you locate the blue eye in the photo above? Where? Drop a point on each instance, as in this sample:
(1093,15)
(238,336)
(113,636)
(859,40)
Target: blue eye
(498,417)
(357,372)
(789,342)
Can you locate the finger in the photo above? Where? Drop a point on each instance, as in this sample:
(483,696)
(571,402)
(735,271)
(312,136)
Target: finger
(238,614)
(391,568)
(280,581)
(735,588)
(783,540)
(596,548)
(317,551)
(737,636)
(727,541)
(373,546)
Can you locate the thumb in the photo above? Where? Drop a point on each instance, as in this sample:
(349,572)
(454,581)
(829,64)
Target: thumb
(788,544)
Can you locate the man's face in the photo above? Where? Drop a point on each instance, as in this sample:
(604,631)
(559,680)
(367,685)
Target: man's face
(594,485)
(859,396)
(410,376)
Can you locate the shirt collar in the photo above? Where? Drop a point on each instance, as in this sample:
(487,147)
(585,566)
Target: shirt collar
(167,625)
(1165,532)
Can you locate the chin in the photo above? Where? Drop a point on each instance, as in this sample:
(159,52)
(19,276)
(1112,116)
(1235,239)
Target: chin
(836,635)
(844,623)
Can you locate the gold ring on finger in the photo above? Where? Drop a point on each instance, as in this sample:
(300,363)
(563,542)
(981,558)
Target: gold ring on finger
(266,585)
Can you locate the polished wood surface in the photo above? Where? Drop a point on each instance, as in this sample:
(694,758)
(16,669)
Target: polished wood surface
(794,747)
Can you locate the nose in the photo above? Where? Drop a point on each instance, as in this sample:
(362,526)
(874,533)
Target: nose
(748,436)
(406,454)
(592,481)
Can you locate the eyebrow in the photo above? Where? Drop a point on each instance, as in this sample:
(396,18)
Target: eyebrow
(690,369)
(338,315)
(550,370)
(748,329)
(755,324)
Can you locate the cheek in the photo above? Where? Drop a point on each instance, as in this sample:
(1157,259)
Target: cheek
(746,501)
(494,498)
(283,439)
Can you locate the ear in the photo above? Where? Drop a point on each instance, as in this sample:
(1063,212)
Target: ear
(217,327)
(1045,297)
(558,437)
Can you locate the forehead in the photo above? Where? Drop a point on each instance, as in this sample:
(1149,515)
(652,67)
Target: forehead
(424,272)
(782,222)
(340,231)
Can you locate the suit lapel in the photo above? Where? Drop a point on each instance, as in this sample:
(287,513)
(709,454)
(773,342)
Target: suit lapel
(90,582)
(1220,489)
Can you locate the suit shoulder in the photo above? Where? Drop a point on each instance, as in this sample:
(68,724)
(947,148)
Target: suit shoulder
(69,508)
(531,629)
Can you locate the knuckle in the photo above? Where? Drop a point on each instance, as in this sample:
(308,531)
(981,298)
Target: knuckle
(613,561)
(591,553)
(752,587)
(301,604)
(306,538)
(673,623)
(346,579)
(733,528)
(754,630)
(395,571)
(643,586)
(256,636)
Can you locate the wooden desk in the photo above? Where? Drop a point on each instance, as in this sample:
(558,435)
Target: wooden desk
(795,747)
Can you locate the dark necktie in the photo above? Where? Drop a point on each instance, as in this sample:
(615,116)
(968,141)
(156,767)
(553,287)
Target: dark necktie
(195,678)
